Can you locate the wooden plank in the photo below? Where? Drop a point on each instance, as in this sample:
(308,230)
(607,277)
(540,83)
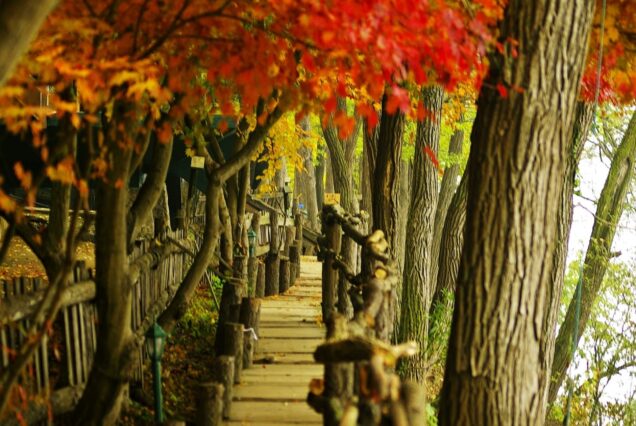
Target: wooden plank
(293,332)
(282,391)
(274,412)
(288,346)
(68,348)
(22,306)
(77,351)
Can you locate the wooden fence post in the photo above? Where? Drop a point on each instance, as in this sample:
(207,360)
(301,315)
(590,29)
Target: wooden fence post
(272,261)
(223,372)
(284,274)
(294,263)
(250,318)
(331,230)
(338,375)
(209,404)
(260,280)
(231,296)
(233,346)
(252,271)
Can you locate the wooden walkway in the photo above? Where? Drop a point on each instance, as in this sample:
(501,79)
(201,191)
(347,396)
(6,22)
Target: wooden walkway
(274,393)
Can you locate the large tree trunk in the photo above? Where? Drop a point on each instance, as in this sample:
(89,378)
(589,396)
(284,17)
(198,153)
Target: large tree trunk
(341,153)
(608,212)
(516,165)
(447,189)
(417,278)
(20,21)
(386,201)
(583,120)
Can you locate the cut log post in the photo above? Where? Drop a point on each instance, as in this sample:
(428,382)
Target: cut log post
(239,271)
(413,397)
(223,372)
(272,278)
(250,318)
(260,280)
(284,276)
(252,271)
(235,313)
(209,404)
(272,260)
(332,232)
(294,261)
(298,222)
(290,235)
(233,346)
(231,295)
(338,376)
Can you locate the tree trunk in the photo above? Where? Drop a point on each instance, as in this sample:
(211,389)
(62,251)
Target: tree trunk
(101,401)
(452,242)
(446,192)
(370,152)
(306,182)
(582,123)
(177,307)
(341,153)
(329,183)
(494,360)
(417,278)
(386,197)
(319,172)
(608,212)
(20,21)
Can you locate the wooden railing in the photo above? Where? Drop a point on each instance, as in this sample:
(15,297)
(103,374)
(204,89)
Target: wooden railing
(55,377)
(360,385)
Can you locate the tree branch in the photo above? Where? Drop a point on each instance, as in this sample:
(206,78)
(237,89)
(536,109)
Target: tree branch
(254,142)
(150,191)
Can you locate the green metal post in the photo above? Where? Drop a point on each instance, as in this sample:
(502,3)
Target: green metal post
(156,376)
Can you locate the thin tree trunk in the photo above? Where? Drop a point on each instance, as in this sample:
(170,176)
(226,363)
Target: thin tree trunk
(306,181)
(446,192)
(370,152)
(386,202)
(494,363)
(417,277)
(320,180)
(582,123)
(609,209)
(452,242)
(329,184)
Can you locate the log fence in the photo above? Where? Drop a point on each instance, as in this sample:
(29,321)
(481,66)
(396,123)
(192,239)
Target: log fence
(360,385)
(61,364)
(55,377)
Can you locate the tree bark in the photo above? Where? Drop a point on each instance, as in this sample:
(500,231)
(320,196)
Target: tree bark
(608,212)
(20,21)
(387,207)
(516,164)
(319,172)
(582,123)
(101,401)
(417,278)
(341,153)
(306,181)
(452,242)
(446,192)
